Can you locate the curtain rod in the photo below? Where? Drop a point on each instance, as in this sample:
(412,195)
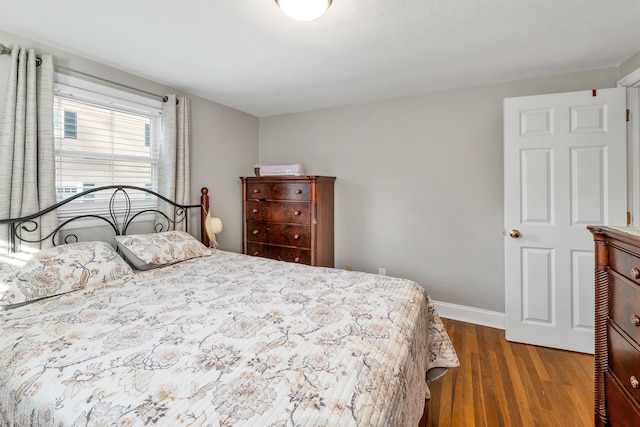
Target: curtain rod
(4,50)
(72,71)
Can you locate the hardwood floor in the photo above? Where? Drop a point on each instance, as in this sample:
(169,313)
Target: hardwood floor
(500,383)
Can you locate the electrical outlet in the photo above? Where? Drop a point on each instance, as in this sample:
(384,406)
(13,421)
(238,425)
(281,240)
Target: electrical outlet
(349,267)
(382,271)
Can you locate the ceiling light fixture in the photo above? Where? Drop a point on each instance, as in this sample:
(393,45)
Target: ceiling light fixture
(304,10)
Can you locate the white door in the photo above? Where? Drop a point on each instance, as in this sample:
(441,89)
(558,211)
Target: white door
(564,169)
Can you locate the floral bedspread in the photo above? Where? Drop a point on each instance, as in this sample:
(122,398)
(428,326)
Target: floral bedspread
(225,340)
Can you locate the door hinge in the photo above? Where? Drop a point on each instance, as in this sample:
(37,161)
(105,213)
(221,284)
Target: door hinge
(628,218)
(628,112)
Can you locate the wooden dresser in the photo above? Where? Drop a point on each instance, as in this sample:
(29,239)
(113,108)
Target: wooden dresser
(617,326)
(288,218)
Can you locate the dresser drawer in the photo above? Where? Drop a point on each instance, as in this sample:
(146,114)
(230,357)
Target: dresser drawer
(289,218)
(624,362)
(621,412)
(287,212)
(625,263)
(302,256)
(279,234)
(278,191)
(624,305)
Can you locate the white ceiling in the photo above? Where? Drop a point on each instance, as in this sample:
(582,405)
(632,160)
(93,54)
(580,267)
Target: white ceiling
(248,55)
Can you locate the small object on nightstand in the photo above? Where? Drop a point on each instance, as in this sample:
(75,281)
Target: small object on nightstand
(256,169)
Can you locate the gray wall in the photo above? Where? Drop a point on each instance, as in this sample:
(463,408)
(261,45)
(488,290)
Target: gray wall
(419,187)
(225,141)
(629,66)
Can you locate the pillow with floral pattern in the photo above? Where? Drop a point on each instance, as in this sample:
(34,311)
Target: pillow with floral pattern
(62,269)
(147,251)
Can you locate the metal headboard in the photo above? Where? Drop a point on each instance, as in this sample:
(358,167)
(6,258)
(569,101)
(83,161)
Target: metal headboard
(119,218)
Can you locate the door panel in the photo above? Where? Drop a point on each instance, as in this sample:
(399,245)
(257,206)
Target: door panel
(537,191)
(565,168)
(537,286)
(587,185)
(582,288)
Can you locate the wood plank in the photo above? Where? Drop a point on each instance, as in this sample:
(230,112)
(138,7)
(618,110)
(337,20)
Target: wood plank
(500,383)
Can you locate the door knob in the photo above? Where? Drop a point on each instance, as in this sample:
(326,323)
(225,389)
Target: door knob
(514,233)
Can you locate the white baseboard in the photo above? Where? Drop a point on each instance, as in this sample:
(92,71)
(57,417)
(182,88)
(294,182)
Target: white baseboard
(479,316)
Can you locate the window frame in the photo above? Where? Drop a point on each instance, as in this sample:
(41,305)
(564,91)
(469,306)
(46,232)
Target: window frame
(101,95)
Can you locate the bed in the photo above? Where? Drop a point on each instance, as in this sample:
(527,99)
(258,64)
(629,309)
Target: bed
(205,337)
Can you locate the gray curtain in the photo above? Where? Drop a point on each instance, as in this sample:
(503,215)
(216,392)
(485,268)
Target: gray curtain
(174,164)
(27,152)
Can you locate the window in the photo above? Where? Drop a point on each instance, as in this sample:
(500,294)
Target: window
(147,135)
(64,190)
(88,197)
(70,124)
(103,137)
(65,124)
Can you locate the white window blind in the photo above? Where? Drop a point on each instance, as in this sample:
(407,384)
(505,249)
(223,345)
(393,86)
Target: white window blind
(103,136)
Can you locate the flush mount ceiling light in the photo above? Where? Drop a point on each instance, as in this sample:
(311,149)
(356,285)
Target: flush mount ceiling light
(304,10)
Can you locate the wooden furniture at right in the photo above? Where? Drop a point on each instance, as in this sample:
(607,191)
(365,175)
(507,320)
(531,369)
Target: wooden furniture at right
(617,326)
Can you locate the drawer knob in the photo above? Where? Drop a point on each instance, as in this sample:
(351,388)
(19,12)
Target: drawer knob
(297,213)
(296,236)
(635,273)
(256,253)
(298,259)
(255,211)
(298,191)
(255,231)
(634,382)
(256,190)
(635,320)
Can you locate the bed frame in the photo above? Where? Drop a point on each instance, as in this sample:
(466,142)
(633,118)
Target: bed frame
(119,217)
